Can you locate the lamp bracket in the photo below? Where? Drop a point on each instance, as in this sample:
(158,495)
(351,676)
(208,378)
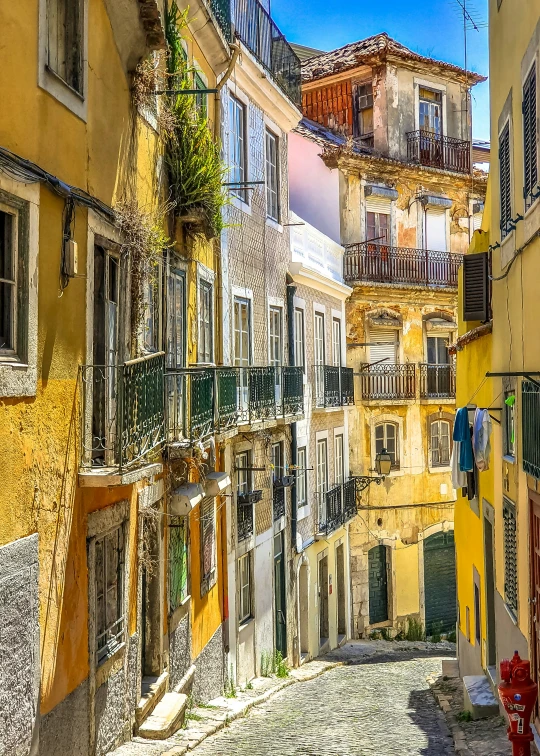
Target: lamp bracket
(364,481)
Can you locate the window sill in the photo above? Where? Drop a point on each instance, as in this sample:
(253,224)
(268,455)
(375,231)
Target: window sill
(440,469)
(178,614)
(271,223)
(61,91)
(303,512)
(208,582)
(510,458)
(245,623)
(511,614)
(240,204)
(17,379)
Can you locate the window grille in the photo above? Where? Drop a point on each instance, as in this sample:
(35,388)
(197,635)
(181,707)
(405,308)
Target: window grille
(530,154)
(505,180)
(531,428)
(109,577)
(510,556)
(178,561)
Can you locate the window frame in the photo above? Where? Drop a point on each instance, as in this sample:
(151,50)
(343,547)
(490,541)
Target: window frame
(176,279)
(396,465)
(322,464)
(238,171)
(301,477)
(529,125)
(339,454)
(205,289)
(440,133)
(336,344)
(207,525)
(510,560)
(116,642)
(153,311)
(11,353)
(238,303)
(78,33)
(438,422)
(177,523)
(245,613)
(509,424)
(300,337)
(272,176)
(505,188)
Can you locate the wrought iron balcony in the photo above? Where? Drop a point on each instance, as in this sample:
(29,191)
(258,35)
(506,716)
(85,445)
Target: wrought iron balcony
(437,381)
(244,520)
(367,261)
(530,414)
(259,33)
(336,506)
(222,11)
(123,412)
(278,502)
(438,151)
(334,386)
(266,393)
(226,385)
(385,381)
(293,391)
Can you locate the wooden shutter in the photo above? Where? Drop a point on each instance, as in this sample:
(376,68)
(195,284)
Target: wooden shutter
(475,287)
(529,136)
(504,177)
(383,345)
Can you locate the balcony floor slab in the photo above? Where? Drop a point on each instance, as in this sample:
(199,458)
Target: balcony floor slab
(105,477)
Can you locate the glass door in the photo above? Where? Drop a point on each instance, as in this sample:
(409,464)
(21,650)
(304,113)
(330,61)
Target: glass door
(438,370)
(276,349)
(319,357)
(242,351)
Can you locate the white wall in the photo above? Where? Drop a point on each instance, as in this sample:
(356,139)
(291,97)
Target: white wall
(264,596)
(313,188)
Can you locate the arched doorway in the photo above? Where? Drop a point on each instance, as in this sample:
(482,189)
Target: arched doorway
(303,604)
(378,584)
(440,583)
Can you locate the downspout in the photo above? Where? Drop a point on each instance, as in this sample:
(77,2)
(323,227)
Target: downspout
(291,291)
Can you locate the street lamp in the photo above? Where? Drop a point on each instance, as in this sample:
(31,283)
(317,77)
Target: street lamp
(383,465)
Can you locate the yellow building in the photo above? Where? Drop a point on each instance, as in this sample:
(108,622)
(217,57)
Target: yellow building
(504,615)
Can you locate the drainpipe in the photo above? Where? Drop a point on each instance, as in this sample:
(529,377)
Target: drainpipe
(291,291)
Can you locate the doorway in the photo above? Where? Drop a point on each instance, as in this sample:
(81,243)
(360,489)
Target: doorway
(151,622)
(303,602)
(340,585)
(440,583)
(324,632)
(378,585)
(279,595)
(491,647)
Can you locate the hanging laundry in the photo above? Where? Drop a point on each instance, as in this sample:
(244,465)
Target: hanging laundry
(462,434)
(482,428)
(459,478)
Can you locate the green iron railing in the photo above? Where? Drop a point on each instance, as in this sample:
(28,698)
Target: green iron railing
(293,391)
(227,398)
(530,396)
(347,385)
(262,382)
(337,506)
(222,11)
(123,411)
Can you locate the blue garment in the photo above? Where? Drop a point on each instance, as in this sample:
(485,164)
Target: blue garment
(462,433)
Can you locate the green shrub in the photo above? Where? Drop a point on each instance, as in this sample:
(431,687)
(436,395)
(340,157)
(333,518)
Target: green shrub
(415,631)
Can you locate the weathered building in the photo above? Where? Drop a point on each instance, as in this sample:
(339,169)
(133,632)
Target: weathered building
(395,185)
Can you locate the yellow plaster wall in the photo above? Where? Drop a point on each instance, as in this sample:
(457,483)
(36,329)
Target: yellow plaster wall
(407,579)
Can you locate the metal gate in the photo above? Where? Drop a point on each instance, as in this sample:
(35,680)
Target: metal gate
(378,585)
(440,583)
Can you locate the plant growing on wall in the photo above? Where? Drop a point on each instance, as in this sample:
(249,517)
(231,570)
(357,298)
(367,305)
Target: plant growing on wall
(192,155)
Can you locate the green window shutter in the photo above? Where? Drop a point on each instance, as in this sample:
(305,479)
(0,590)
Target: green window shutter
(475,287)
(504,179)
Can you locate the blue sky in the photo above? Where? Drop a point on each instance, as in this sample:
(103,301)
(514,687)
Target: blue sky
(434,29)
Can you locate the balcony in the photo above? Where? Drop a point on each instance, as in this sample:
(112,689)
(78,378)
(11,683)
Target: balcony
(123,413)
(447,153)
(244,520)
(259,33)
(334,386)
(437,381)
(268,393)
(278,502)
(366,261)
(336,507)
(388,381)
(222,11)
(530,398)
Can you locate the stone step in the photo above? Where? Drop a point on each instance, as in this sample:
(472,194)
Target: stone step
(166,719)
(152,691)
(478,697)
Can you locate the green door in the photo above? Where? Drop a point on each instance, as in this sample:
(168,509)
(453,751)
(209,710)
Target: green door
(440,583)
(378,585)
(279,598)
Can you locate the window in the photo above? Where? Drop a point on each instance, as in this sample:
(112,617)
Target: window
(476,299)
(319,339)
(299,338)
(242,332)
(509,423)
(322,466)
(201,100)
(510,556)
(152,313)
(237,148)
(505,180)
(301,477)
(205,347)
(8,284)
(109,576)
(277,460)
(178,562)
(64,41)
(244,483)
(336,341)
(440,443)
(363,109)
(377,227)
(430,111)
(244,572)
(275,336)
(437,350)
(530,153)
(386,437)
(272,176)
(243,473)
(339,471)
(208,542)
(176,319)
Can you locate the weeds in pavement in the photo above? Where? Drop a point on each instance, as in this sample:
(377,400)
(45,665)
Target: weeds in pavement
(415,631)
(230,687)
(464,716)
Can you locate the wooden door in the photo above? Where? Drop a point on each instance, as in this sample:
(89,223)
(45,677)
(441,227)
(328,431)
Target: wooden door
(378,585)
(440,583)
(279,597)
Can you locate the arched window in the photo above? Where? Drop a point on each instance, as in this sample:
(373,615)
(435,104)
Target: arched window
(386,437)
(440,443)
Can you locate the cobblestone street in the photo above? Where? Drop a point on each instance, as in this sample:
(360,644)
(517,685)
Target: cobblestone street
(381,706)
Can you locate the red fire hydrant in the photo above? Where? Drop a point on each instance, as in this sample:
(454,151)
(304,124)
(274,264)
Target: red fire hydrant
(518,694)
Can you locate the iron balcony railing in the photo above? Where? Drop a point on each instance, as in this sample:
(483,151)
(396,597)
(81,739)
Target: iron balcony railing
(438,151)
(122,412)
(336,506)
(437,381)
(388,381)
(267,393)
(278,502)
(255,27)
(222,11)
(244,520)
(334,385)
(530,396)
(381,263)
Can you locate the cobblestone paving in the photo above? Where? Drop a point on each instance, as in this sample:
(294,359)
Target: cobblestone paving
(381,706)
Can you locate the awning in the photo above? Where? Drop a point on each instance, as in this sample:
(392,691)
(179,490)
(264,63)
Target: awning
(434,200)
(184,498)
(216,483)
(370,190)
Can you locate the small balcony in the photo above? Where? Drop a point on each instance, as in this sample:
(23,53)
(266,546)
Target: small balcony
(336,507)
(388,381)
(268,393)
(437,381)
(366,261)
(436,151)
(278,502)
(123,413)
(334,386)
(244,520)
(256,29)
(222,11)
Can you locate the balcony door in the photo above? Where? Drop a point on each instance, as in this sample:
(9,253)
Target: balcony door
(176,352)
(377,238)
(242,348)
(435,232)
(430,111)
(438,370)
(275,336)
(322,478)
(336,342)
(319,357)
